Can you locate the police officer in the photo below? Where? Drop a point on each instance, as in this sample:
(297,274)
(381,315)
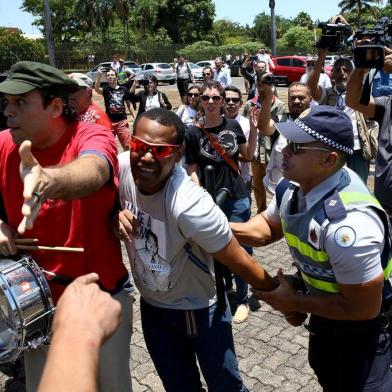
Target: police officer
(339,238)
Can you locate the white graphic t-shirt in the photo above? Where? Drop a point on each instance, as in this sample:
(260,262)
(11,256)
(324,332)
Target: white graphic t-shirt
(179,227)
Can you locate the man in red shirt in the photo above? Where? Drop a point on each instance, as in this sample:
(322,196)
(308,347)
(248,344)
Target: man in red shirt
(81,101)
(58,183)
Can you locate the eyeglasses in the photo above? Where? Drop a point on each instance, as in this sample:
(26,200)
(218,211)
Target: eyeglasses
(234,100)
(296,147)
(191,95)
(206,73)
(215,98)
(159,151)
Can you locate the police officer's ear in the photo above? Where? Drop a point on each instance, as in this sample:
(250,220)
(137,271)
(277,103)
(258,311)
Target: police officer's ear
(331,159)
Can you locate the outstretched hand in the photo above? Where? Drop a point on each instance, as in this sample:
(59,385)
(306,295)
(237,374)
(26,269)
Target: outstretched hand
(282,298)
(35,184)
(85,308)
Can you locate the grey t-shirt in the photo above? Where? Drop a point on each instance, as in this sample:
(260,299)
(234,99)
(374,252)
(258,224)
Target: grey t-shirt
(383,176)
(180,227)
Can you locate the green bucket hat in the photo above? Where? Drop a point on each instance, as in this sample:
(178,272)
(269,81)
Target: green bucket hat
(25,76)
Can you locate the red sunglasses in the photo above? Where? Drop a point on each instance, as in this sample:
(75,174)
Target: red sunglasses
(159,151)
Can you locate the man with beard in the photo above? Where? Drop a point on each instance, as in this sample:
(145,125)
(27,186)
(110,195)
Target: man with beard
(336,96)
(299,99)
(264,144)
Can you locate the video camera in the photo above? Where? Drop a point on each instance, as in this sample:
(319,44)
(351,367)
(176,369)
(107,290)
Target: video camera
(334,36)
(270,79)
(372,54)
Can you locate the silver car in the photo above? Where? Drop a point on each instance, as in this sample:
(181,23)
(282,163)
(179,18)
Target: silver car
(131,65)
(162,71)
(197,71)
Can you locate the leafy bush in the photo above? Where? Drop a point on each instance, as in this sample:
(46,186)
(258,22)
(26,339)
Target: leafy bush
(204,50)
(14,47)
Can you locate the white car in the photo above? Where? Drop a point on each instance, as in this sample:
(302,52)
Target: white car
(330,60)
(135,68)
(207,63)
(162,71)
(197,71)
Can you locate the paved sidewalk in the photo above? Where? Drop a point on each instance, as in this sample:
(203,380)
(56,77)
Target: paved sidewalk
(272,355)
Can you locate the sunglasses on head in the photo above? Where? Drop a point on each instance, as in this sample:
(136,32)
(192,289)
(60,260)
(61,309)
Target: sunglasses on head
(215,98)
(234,100)
(159,151)
(191,95)
(297,147)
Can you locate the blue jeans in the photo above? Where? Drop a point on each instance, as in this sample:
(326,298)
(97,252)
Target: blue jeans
(359,165)
(237,210)
(174,338)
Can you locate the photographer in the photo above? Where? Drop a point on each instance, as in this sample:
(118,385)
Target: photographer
(264,143)
(378,109)
(336,96)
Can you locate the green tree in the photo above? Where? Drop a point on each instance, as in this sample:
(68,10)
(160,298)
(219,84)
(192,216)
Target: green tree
(122,10)
(14,47)
(297,39)
(227,32)
(357,6)
(65,25)
(187,21)
(262,27)
(303,19)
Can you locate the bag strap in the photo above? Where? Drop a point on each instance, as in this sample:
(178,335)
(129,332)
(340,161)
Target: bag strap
(221,151)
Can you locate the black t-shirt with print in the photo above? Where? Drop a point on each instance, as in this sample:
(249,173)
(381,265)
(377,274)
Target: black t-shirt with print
(199,151)
(114,102)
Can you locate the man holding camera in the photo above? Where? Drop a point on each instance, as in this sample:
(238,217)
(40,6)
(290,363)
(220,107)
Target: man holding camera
(263,148)
(299,99)
(378,109)
(336,96)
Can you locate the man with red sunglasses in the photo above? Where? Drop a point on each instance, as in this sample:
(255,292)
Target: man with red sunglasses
(176,231)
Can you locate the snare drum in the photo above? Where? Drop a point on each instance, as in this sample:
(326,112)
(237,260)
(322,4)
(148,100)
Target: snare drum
(26,307)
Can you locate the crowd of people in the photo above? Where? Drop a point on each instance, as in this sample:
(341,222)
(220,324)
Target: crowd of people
(62,181)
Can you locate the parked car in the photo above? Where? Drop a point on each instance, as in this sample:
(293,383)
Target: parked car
(197,71)
(164,72)
(207,63)
(289,67)
(135,68)
(330,60)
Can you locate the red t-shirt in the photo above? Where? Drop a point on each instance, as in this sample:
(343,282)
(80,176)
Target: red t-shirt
(84,222)
(95,115)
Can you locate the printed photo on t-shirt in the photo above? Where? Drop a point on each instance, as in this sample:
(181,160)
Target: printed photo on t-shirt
(149,264)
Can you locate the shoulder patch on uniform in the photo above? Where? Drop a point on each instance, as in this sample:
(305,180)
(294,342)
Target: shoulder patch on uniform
(314,234)
(345,236)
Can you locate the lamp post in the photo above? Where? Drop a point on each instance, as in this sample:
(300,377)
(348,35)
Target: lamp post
(273,27)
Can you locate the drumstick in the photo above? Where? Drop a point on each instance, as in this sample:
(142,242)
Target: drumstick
(25,240)
(55,248)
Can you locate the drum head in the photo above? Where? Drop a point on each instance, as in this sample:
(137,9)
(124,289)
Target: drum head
(25,308)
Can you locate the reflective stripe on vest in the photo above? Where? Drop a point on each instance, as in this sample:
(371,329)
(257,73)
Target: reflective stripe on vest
(304,248)
(320,284)
(354,197)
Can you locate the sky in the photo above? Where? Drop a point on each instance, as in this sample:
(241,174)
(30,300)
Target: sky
(235,10)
